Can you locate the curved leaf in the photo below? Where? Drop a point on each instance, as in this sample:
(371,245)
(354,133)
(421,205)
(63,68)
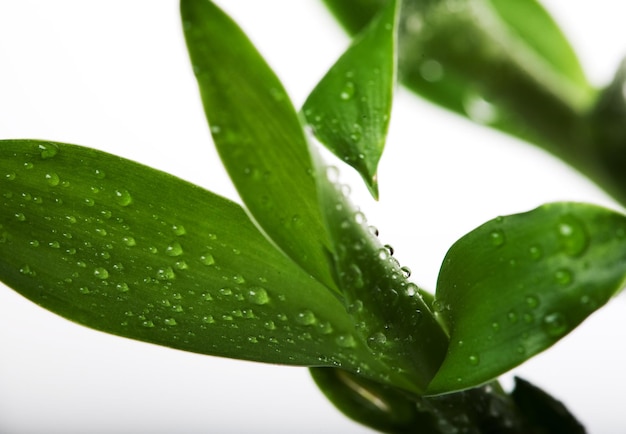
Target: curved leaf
(500,63)
(380,407)
(514,286)
(390,314)
(258,135)
(131,251)
(349,109)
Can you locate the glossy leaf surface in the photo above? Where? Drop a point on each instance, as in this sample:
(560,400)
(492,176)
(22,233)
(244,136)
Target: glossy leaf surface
(517,284)
(131,251)
(350,107)
(258,135)
(388,310)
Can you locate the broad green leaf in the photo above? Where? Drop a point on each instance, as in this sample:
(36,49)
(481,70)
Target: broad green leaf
(349,109)
(542,411)
(514,286)
(131,251)
(390,314)
(258,135)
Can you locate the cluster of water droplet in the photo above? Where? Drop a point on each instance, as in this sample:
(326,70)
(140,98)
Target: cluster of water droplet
(108,250)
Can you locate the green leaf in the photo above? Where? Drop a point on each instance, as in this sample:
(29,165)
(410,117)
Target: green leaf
(502,63)
(258,135)
(350,107)
(390,314)
(523,19)
(131,251)
(380,407)
(514,286)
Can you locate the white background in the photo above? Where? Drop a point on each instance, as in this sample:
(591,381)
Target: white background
(114,75)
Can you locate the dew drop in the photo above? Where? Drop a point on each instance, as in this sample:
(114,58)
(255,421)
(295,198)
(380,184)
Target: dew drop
(101,273)
(52,179)
(20,217)
(25,270)
(412,289)
(10,176)
(148,324)
(122,287)
(129,241)
(563,276)
(165,273)
(306,317)
(123,197)
(345,341)
(170,321)
(512,317)
(269,325)
(208,319)
(532,301)
(497,238)
(473,360)
(47,150)
(101,231)
(347,92)
(258,295)
(573,238)
(215,129)
(174,249)
(555,324)
(207,259)
(179,230)
(406,272)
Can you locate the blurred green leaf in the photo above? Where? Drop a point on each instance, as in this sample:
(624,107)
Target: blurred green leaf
(545,414)
(258,135)
(388,310)
(131,251)
(349,109)
(514,286)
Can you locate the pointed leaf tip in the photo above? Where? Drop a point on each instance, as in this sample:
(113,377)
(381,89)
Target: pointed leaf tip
(349,109)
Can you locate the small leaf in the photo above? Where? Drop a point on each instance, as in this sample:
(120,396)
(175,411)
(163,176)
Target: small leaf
(258,135)
(381,407)
(131,251)
(390,314)
(502,63)
(516,285)
(542,411)
(349,109)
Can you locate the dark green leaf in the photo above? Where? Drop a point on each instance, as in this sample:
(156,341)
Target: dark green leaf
(131,251)
(258,135)
(516,285)
(390,314)
(544,413)
(383,408)
(349,109)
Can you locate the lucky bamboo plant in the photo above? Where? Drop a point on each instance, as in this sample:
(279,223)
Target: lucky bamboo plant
(298,276)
